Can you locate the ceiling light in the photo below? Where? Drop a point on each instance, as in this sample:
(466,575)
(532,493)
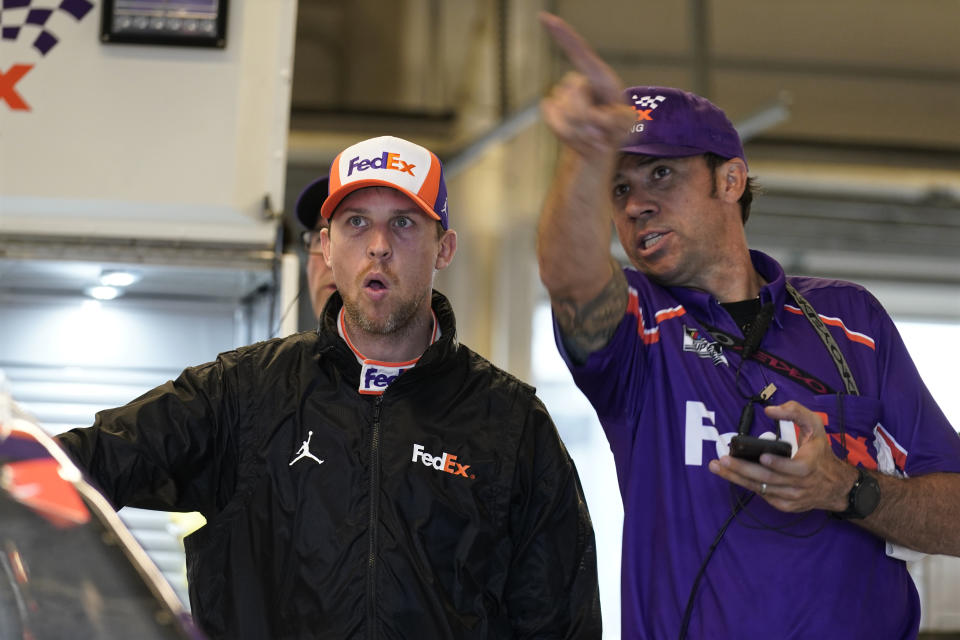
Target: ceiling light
(103,293)
(118,278)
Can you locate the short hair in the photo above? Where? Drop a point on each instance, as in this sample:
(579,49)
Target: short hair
(713,163)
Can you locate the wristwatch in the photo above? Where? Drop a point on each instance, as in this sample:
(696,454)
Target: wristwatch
(862,499)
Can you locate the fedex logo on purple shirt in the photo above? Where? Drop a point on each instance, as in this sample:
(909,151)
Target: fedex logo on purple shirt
(385,161)
(701,427)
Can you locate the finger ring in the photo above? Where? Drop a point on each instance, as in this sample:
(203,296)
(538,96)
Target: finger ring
(763,488)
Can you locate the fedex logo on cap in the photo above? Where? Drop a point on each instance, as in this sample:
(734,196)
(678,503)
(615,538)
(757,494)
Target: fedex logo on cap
(384,161)
(446,462)
(390,162)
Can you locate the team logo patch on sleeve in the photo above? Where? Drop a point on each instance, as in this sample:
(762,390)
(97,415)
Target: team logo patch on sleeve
(694,342)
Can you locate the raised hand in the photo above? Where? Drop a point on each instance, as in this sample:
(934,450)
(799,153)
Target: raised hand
(586,109)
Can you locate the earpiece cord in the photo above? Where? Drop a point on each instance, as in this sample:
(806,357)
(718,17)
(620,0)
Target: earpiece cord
(751,342)
(782,530)
(688,611)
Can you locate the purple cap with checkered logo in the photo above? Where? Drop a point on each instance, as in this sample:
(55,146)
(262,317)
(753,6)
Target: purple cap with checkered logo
(672,123)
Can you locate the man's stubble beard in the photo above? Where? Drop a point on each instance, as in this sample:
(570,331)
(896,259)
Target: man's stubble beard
(397,323)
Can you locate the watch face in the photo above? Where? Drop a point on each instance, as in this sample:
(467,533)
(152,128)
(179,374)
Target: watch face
(867,495)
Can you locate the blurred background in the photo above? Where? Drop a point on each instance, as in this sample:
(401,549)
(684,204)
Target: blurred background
(163,162)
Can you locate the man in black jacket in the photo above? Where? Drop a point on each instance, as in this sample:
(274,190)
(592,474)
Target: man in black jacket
(376,478)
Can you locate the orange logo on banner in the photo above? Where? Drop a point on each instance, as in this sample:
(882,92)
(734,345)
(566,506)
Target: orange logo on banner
(32,24)
(8,84)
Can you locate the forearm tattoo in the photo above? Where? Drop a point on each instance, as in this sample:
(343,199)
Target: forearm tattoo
(588,327)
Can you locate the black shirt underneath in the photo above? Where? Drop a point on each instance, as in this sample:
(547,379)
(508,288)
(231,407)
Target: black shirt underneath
(743,312)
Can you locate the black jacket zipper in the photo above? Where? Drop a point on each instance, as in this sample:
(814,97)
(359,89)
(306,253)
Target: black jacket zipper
(374,510)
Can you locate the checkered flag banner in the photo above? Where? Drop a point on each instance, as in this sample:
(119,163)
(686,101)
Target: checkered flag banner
(27,17)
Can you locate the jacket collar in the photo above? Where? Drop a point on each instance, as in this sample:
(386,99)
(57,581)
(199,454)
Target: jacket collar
(333,346)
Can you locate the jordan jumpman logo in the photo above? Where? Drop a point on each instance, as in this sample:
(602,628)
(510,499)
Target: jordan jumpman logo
(304,451)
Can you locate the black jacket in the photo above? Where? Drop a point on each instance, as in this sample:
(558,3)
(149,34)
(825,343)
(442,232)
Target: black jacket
(378,540)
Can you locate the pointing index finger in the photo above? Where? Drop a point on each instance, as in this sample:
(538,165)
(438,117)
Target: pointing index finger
(603,80)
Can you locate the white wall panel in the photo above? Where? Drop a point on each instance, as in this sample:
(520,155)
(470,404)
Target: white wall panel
(147,141)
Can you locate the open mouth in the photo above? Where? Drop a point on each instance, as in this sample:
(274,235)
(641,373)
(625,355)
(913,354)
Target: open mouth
(651,240)
(375,282)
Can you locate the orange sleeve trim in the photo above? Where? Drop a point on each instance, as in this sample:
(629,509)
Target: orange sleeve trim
(853,336)
(652,335)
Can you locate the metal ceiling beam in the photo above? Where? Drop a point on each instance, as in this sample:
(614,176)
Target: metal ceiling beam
(506,129)
(764,118)
(700,47)
(135,251)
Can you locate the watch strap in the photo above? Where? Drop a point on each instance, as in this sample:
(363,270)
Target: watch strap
(858,507)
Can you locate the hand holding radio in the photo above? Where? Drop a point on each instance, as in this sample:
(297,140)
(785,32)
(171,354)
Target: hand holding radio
(814,478)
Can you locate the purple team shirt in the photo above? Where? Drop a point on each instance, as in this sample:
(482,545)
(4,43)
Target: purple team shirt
(665,393)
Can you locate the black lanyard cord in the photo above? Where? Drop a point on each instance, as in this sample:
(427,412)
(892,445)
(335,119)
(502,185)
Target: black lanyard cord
(688,611)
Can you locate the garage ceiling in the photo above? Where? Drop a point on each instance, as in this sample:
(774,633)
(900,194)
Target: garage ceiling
(858,147)
(880,74)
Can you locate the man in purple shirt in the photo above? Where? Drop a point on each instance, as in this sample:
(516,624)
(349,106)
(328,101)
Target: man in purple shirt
(705,349)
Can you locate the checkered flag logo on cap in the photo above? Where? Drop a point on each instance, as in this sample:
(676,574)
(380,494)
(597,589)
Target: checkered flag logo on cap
(648,102)
(645,105)
(30,18)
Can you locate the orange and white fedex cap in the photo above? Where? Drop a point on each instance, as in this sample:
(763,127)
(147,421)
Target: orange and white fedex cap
(389,162)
